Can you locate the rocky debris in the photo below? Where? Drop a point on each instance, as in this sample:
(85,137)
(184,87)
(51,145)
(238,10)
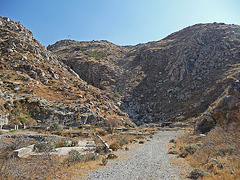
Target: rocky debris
(206,124)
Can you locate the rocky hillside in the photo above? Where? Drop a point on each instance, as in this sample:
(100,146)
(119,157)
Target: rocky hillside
(172,79)
(97,62)
(37,87)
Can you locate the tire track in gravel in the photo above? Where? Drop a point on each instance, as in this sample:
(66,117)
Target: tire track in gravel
(150,161)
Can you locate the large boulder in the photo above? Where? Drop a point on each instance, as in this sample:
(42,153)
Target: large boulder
(205,124)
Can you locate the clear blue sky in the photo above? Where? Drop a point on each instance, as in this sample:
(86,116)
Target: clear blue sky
(123,22)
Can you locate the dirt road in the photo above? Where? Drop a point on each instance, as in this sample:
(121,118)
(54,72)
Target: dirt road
(149,161)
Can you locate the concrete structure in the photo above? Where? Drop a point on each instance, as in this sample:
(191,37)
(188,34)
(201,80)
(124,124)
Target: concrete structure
(23,152)
(84,147)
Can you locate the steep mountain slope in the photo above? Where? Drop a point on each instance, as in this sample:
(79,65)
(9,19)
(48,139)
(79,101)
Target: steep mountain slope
(186,71)
(37,86)
(172,79)
(96,61)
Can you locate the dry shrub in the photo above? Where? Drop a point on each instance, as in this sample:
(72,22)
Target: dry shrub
(15,168)
(102,133)
(114,146)
(111,124)
(223,144)
(123,141)
(7,147)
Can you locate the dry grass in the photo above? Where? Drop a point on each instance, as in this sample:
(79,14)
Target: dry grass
(222,144)
(49,167)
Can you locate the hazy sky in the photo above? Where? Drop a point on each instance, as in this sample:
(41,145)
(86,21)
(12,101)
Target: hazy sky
(123,22)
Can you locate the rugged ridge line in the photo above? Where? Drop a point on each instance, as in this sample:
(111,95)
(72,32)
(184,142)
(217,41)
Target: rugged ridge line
(173,79)
(38,87)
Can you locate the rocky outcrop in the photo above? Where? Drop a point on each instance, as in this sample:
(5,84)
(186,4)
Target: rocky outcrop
(97,62)
(175,78)
(224,111)
(37,87)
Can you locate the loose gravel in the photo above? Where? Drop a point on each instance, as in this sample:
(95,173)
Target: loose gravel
(148,161)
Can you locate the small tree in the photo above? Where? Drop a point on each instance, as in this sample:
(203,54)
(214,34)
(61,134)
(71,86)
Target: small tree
(22,120)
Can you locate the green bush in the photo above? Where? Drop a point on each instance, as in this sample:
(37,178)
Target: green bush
(123,142)
(90,157)
(97,55)
(74,143)
(116,94)
(44,146)
(191,148)
(224,151)
(197,173)
(173,152)
(55,126)
(62,143)
(182,155)
(104,161)
(75,156)
(173,141)
(22,120)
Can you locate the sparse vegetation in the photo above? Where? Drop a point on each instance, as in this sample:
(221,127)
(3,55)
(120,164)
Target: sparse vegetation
(217,154)
(22,120)
(44,146)
(104,161)
(97,55)
(116,94)
(173,152)
(114,146)
(55,126)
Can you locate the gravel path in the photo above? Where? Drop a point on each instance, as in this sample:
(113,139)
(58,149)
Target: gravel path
(148,162)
